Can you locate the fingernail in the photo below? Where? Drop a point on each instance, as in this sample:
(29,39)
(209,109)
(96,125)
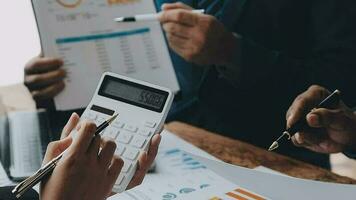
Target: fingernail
(289,117)
(324,145)
(298,138)
(145,155)
(313,119)
(73,114)
(163,5)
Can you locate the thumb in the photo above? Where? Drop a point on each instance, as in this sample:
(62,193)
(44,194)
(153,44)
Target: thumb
(56,148)
(332,119)
(177,5)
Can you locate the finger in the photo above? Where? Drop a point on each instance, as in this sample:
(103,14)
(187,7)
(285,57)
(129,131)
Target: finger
(37,81)
(304,103)
(307,139)
(71,124)
(48,92)
(145,161)
(329,146)
(184,17)
(56,148)
(95,145)
(177,43)
(336,120)
(140,171)
(326,147)
(153,150)
(177,29)
(107,152)
(42,65)
(115,168)
(177,5)
(84,137)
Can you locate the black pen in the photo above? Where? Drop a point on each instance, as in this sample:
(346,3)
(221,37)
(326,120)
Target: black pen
(330,101)
(31,181)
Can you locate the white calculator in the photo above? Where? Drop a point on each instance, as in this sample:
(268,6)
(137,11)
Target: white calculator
(142,109)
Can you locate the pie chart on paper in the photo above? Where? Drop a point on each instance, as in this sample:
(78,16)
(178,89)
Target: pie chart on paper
(69,3)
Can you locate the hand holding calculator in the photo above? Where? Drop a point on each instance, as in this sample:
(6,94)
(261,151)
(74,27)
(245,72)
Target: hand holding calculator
(142,109)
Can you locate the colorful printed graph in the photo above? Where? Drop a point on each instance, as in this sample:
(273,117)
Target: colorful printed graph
(119,2)
(69,3)
(179,159)
(240,194)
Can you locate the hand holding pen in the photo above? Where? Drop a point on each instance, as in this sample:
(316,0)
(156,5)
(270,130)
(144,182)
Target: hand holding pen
(330,128)
(83,170)
(77,154)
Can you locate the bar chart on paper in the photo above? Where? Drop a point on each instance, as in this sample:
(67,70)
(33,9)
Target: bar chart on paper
(84,34)
(239,194)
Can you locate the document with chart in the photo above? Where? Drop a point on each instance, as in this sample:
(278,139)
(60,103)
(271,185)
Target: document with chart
(83,33)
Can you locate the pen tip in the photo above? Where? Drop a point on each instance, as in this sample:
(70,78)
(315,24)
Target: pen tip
(119,19)
(274,146)
(113,118)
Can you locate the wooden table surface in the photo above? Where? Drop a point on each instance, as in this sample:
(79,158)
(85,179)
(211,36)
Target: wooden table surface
(246,155)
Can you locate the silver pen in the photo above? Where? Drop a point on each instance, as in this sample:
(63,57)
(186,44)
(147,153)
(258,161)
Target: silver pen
(148,17)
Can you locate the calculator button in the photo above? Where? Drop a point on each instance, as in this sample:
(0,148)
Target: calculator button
(138,141)
(119,149)
(91,116)
(120,179)
(145,132)
(111,133)
(131,154)
(100,120)
(150,124)
(131,128)
(125,137)
(118,124)
(126,167)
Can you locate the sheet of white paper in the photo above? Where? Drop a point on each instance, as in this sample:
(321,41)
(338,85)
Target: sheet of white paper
(25,143)
(224,190)
(268,170)
(85,36)
(280,187)
(4,179)
(176,174)
(169,141)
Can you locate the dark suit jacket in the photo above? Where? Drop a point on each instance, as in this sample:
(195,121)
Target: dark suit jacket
(286,46)
(6,194)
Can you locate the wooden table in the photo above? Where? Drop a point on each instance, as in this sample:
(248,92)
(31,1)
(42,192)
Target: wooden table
(246,155)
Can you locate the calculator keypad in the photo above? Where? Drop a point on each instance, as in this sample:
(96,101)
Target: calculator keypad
(131,128)
(125,137)
(130,139)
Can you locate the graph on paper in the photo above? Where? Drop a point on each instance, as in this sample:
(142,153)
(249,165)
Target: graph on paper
(239,194)
(84,34)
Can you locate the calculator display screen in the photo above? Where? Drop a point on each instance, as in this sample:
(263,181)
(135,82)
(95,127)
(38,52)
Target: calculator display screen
(133,93)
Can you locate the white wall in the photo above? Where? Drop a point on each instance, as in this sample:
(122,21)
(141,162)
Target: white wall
(19,40)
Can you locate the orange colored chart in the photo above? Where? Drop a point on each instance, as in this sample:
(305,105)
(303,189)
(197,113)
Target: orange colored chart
(240,194)
(119,2)
(69,3)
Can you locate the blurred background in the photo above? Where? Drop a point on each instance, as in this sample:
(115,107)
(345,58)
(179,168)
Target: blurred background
(19,40)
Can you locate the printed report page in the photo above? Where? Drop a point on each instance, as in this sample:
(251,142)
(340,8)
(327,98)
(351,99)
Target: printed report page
(84,34)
